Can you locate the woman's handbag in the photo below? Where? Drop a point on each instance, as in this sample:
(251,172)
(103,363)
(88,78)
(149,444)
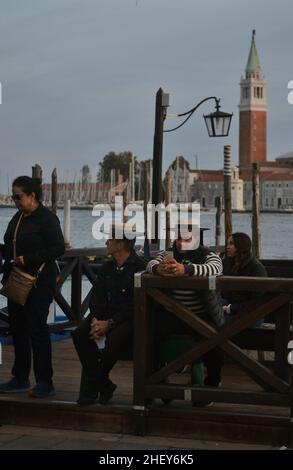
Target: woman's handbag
(19,283)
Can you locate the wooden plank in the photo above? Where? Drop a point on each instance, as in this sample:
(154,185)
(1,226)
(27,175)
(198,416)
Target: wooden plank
(277,262)
(65,272)
(202,423)
(76,290)
(140,355)
(161,421)
(215,338)
(291,405)
(242,423)
(77,252)
(65,307)
(88,272)
(141,359)
(61,326)
(86,303)
(282,338)
(4,315)
(259,339)
(223,395)
(225,283)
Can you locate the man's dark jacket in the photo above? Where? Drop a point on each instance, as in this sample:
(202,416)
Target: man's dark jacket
(113,293)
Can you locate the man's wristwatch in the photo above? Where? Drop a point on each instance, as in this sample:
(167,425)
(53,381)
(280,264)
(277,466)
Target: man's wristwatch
(111,323)
(189,269)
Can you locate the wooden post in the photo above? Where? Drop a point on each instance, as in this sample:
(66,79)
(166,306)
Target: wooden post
(37,171)
(67,223)
(255,229)
(76,289)
(132,178)
(219,207)
(54,191)
(282,338)
(227,192)
(255,219)
(157,156)
(145,193)
(291,386)
(168,201)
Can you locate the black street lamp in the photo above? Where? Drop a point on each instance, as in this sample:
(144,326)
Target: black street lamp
(217,123)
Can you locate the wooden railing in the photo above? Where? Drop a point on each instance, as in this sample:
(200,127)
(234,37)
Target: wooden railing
(73,265)
(232,338)
(150,378)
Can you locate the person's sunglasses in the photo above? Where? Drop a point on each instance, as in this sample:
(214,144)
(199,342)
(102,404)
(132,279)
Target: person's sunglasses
(16,197)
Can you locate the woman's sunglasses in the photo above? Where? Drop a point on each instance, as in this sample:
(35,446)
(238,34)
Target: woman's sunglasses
(16,197)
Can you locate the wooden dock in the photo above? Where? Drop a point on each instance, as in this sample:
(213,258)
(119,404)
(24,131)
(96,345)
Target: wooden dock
(255,406)
(222,421)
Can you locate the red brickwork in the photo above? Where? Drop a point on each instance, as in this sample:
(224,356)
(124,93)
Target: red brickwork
(252,137)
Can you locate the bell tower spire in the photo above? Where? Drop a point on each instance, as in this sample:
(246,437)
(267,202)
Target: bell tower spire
(252,111)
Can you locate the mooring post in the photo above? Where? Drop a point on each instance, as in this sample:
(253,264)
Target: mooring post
(54,191)
(219,207)
(255,220)
(227,192)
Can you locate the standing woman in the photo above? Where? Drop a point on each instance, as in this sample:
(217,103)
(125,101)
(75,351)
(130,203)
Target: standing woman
(39,240)
(239,261)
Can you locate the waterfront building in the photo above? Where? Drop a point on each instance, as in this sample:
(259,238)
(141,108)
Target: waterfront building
(207,185)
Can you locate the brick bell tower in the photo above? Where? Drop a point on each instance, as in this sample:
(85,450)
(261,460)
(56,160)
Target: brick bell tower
(252,112)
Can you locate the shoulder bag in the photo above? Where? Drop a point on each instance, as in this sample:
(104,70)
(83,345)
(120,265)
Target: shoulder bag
(19,283)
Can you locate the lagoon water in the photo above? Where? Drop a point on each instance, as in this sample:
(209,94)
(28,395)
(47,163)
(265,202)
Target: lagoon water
(276,230)
(276,234)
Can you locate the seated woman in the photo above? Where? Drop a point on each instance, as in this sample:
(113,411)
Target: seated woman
(239,261)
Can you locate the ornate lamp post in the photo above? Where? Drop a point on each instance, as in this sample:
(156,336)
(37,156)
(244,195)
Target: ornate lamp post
(217,123)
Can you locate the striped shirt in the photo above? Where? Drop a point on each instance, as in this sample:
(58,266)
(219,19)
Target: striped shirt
(210,265)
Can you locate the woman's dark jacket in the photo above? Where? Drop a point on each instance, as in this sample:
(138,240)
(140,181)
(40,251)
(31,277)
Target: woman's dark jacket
(39,239)
(237,299)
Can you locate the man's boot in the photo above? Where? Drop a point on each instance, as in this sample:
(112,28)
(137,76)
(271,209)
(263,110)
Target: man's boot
(88,392)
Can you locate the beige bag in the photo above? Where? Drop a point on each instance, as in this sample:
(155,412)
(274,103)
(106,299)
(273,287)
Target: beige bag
(19,283)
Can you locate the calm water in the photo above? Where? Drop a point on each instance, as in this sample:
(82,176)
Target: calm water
(276,234)
(276,230)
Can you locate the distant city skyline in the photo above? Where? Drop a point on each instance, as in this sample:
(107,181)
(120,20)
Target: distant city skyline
(79,78)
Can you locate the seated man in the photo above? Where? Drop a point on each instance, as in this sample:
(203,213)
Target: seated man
(110,318)
(191,259)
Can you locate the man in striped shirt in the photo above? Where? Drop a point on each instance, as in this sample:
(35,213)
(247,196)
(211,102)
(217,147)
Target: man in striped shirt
(189,261)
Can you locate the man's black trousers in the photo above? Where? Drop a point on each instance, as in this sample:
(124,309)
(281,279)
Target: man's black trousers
(98,363)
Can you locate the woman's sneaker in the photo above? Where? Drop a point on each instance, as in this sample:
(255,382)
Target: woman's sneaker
(14,386)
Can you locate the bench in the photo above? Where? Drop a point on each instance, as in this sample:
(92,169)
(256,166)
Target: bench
(263,337)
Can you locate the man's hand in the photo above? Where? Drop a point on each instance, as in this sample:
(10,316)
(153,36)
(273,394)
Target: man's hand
(98,328)
(20,260)
(170,267)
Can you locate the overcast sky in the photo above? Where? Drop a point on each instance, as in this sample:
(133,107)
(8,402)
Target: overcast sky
(79,77)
